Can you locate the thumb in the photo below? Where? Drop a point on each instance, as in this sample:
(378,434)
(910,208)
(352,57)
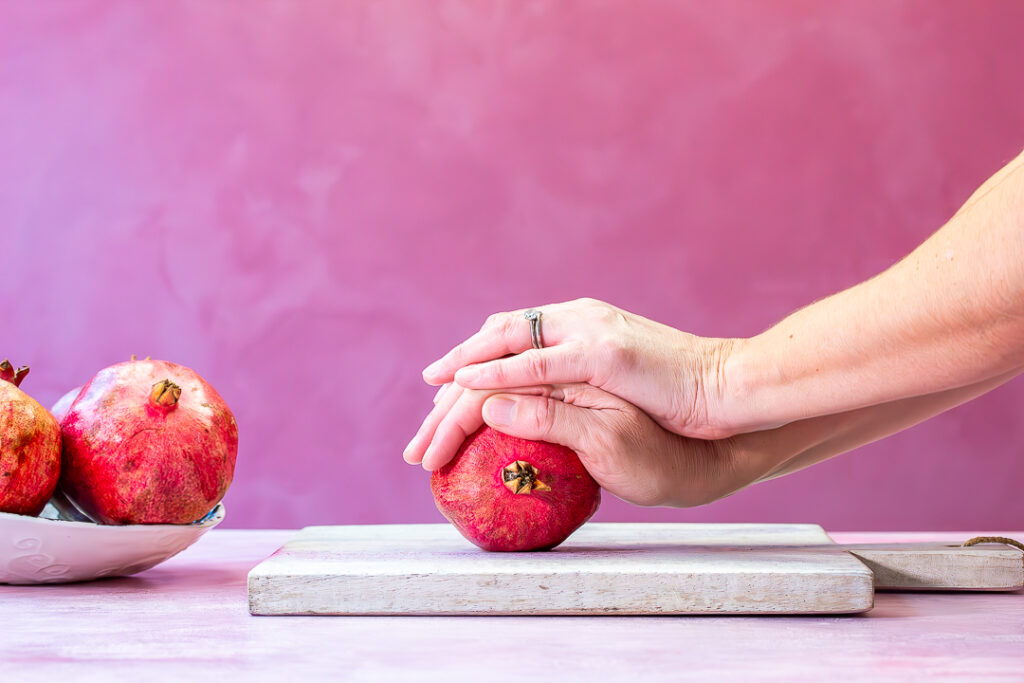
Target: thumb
(539,418)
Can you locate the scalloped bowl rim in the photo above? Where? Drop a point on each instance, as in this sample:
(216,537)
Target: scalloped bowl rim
(37,550)
(207,521)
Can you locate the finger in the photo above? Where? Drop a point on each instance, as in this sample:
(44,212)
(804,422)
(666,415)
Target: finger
(460,421)
(440,392)
(413,453)
(562,364)
(540,418)
(493,341)
(588,396)
(501,335)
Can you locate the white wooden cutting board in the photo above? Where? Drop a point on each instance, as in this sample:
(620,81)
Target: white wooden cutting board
(601,569)
(933,566)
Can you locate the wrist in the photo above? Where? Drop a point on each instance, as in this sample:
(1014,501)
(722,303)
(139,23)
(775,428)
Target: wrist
(710,407)
(745,386)
(732,384)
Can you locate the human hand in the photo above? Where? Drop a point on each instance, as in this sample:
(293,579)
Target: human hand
(674,377)
(625,451)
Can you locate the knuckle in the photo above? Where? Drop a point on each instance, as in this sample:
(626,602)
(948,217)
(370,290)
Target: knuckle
(507,325)
(610,315)
(536,364)
(576,356)
(498,372)
(615,352)
(544,416)
(458,352)
(571,394)
(494,320)
(602,314)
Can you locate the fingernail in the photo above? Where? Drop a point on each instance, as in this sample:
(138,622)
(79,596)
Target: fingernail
(428,459)
(500,411)
(432,368)
(467,374)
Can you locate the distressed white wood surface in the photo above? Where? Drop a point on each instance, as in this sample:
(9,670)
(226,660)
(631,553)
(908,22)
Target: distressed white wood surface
(942,566)
(186,620)
(601,569)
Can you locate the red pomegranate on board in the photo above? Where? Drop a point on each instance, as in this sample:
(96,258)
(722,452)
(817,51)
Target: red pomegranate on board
(148,442)
(505,493)
(29,447)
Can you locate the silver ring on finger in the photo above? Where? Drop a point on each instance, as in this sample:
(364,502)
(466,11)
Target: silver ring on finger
(533,315)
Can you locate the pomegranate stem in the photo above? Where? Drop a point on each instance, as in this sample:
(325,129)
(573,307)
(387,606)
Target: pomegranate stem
(521,477)
(165,394)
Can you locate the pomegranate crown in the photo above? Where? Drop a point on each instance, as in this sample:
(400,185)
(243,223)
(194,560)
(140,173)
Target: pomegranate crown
(522,477)
(9,374)
(165,394)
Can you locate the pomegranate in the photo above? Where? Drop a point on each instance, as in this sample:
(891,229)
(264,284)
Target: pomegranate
(29,447)
(148,442)
(506,493)
(63,404)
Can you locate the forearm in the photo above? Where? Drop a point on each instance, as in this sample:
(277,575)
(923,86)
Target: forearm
(784,450)
(949,315)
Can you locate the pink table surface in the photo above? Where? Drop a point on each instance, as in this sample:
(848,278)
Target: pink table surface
(187,620)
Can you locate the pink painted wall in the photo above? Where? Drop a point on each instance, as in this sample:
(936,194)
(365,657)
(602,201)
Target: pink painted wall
(307,202)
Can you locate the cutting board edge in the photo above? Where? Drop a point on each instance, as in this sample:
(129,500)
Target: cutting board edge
(279,587)
(975,569)
(852,592)
(588,526)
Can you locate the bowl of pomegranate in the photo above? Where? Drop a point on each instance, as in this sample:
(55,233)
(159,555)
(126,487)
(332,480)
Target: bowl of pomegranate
(54,549)
(121,474)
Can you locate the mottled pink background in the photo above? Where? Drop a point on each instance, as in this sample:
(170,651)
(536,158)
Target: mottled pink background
(309,201)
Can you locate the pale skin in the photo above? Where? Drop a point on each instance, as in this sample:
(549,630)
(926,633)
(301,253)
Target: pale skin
(662,417)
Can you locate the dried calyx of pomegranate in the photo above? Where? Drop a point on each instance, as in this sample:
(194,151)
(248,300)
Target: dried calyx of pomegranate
(9,374)
(522,477)
(165,394)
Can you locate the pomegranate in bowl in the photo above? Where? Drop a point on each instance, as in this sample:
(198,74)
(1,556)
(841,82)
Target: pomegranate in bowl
(29,447)
(147,442)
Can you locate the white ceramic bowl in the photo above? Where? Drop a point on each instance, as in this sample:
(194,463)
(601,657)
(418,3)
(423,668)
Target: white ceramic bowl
(40,550)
